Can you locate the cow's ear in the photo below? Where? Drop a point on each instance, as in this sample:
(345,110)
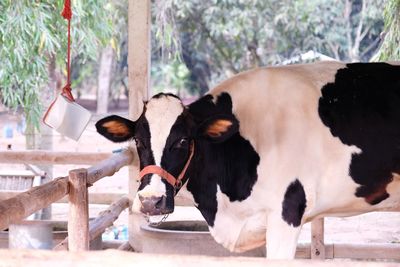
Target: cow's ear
(219,128)
(116,128)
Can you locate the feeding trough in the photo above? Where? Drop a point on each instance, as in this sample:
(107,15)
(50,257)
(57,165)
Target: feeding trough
(186,237)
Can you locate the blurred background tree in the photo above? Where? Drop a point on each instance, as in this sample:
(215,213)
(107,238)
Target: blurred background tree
(219,38)
(390,49)
(33,46)
(195,43)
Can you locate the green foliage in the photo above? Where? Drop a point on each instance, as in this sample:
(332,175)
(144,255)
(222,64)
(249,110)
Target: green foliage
(33,31)
(390,49)
(172,77)
(224,37)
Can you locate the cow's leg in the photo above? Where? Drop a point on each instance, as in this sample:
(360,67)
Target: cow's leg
(281,237)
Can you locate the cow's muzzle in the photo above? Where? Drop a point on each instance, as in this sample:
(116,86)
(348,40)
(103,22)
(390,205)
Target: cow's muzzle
(154,205)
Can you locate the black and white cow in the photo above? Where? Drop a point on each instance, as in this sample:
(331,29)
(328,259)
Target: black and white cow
(271,149)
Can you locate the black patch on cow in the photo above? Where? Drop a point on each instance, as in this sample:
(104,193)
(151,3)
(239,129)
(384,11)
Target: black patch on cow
(294,204)
(231,164)
(177,149)
(362,108)
(143,146)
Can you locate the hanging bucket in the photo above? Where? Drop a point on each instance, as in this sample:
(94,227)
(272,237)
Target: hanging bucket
(67,117)
(64,114)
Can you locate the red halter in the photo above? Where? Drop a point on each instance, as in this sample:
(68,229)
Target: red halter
(175,182)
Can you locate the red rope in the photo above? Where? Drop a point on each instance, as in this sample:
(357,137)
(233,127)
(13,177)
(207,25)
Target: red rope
(67,14)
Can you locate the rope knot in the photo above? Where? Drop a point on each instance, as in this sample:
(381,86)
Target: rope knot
(66,91)
(67,11)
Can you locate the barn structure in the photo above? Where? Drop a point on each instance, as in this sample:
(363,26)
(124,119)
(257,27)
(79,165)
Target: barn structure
(14,207)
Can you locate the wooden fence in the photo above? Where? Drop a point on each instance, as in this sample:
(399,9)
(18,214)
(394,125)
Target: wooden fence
(16,206)
(75,185)
(52,157)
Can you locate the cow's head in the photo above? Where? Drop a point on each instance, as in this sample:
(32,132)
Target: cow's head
(166,135)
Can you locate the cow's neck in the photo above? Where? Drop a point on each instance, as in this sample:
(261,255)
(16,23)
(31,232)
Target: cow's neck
(231,165)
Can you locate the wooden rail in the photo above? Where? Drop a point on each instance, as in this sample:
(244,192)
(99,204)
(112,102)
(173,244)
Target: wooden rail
(94,198)
(109,166)
(374,251)
(125,247)
(17,208)
(42,258)
(100,223)
(24,204)
(52,157)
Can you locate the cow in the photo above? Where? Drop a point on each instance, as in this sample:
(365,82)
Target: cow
(272,148)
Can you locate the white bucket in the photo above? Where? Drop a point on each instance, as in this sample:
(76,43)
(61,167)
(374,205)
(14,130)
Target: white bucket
(67,117)
(31,235)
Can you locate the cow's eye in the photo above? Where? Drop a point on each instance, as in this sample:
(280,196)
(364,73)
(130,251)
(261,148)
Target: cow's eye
(181,143)
(139,144)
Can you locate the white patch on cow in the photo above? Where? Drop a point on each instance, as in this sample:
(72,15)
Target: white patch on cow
(156,188)
(161,114)
(247,226)
(282,237)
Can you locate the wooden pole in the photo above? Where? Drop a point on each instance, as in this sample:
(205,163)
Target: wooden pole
(317,239)
(125,247)
(109,166)
(94,198)
(24,204)
(51,157)
(139,47)
(78,218)
(105,219)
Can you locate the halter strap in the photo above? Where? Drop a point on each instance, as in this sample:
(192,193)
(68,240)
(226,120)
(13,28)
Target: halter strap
(175,182)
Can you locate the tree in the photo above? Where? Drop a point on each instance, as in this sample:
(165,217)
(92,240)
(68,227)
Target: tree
(219,38)
(390,49)
(32,34)
(32,48)
(104,79)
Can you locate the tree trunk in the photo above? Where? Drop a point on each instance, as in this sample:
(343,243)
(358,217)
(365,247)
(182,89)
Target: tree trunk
(30,137)
(45,137)
(199,69)
(104,79)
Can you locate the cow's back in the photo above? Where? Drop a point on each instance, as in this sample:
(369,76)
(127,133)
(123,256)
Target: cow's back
(285,113)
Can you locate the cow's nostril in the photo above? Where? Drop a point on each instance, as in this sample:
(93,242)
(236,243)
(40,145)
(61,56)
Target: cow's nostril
(152,205)
(161,202)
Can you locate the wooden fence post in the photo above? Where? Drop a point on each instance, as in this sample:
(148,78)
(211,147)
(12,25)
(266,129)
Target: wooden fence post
(139,61)
(317,239)
(78,217)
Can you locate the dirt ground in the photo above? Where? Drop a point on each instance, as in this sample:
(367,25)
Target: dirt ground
(368,228)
